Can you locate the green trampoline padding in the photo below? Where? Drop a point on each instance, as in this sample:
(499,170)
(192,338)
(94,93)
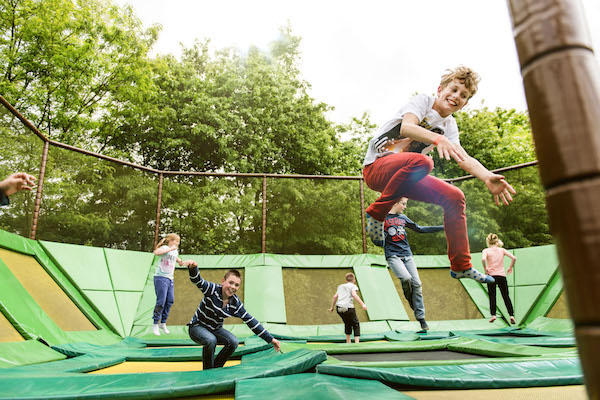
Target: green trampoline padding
(314,387)
(543,341)
(372,347)
(535,265)
(27,352)
(549,325)
(379,293)
(128,269)
(155,385)
(263,293)
(452,325)
(470,376)
(85,265)
(135,351)
(16,243)
(84,363)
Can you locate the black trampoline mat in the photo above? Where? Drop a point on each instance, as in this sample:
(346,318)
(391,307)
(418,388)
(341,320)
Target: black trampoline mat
(407,356)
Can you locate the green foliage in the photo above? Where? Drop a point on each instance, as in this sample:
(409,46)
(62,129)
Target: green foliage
(80,70)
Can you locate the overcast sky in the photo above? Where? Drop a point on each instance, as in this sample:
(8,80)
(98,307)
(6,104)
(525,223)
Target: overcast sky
(364,56)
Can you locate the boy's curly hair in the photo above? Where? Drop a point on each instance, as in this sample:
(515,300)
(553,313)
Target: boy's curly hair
(465,75)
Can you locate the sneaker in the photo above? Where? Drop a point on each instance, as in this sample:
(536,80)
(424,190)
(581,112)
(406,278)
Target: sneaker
(424,326)
(493,318)
(155,329)
(375,231)
(164,328)
(472,273)
(512,320)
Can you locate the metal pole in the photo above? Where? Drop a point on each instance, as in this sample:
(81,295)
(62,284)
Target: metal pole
(264,215)
(362,215)
(158,206)
(38,193)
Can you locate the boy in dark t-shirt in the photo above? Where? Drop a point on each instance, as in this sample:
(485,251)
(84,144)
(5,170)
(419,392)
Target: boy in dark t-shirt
(400,258)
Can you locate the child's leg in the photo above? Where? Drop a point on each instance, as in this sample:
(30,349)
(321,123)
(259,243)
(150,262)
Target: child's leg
(208,340)
(229,342)
(399,269)
(393,175)
(433,190)
(492,296)
(503,285)
(355,324)
(416,301)
(347,324)
(170,298)
(161,287)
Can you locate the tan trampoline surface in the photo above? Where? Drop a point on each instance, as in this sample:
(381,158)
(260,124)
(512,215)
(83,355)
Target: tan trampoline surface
(8,333)
(47,294)
(573,392)
(140,367)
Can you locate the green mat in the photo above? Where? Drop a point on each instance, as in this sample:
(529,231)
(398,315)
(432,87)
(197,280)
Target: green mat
(263,293)
(471,376)
(313,387)
(156,385)
(379,293)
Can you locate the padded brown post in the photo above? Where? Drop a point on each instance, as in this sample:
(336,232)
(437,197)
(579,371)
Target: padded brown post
(562,86)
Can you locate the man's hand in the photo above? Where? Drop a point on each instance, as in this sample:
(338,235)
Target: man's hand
(501,189)
(17,182)
(276,344)
(190,263)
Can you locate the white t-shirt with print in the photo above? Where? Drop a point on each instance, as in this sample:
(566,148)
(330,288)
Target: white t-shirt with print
(388,139)
(344,292)
(166,263)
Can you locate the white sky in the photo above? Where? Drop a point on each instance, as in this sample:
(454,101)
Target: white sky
(364,56)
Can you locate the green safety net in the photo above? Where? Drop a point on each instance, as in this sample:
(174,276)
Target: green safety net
(158,385)
(379,293)
(471,376)
(314,387)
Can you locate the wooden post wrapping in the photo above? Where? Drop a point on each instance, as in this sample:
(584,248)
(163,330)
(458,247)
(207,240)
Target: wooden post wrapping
(562,85)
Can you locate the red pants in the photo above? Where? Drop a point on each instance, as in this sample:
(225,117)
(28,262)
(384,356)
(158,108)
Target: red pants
(407,175)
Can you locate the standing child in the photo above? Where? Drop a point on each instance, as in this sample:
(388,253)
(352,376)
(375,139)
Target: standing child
(396,165)
(492,259)
(400,258)
(342,300)
(219,302)
(164,287)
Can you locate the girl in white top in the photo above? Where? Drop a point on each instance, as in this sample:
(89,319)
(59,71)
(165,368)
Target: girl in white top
(164,280)
(343,300)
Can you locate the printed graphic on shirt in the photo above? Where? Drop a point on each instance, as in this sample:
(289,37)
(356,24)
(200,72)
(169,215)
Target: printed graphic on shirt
(167,262)
(394,142)
(395,228)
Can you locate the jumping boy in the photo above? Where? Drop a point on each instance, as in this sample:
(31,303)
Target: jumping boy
(400,259)
(219,302)
(396,165)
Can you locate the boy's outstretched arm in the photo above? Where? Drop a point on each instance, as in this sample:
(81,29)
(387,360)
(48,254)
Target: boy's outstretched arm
(359,300)
(410,128)
(335,298)
(495,183)
(422,229)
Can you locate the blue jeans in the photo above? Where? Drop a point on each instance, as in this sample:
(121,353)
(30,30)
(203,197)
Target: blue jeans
(209,339)
(165,296)
(405,269)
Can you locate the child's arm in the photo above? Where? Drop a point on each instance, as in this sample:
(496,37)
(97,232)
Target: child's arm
(358,299)
(256,327)
(204,285)
(422,229)
(495,183)
(163,250)
(446,149)
(513,259)
(484,261)
(335,298)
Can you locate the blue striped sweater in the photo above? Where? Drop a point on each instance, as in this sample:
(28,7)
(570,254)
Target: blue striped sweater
(210,313)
